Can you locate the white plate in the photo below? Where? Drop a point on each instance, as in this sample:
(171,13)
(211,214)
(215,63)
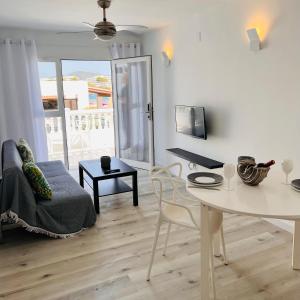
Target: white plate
(205,180)
(205,185)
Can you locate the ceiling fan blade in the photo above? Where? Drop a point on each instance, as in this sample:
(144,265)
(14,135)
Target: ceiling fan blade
(74,32)
(136,26)
(133,28)
(89,25)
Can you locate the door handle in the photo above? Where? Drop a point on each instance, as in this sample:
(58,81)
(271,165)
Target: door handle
(149,112)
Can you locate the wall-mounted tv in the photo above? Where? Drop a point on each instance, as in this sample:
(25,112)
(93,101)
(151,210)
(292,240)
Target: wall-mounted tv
(190,120)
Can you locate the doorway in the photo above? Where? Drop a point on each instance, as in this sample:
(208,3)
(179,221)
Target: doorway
(132,90)
(96,108)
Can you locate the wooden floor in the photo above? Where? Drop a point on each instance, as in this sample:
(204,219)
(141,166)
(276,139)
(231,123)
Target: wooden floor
(109,261)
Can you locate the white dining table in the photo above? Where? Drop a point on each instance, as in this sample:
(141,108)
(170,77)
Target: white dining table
(270,199)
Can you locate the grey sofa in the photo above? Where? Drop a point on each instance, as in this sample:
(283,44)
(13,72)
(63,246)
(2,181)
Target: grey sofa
(70,210)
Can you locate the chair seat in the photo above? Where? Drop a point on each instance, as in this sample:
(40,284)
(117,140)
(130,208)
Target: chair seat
(179,215)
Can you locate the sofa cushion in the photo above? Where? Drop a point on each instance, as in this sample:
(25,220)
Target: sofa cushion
(52,168)
(70,202)
(25,151)
(63,185)
(37,180)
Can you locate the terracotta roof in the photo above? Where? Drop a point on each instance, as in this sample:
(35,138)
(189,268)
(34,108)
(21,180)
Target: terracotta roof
(54,98)
(49,97)
(99,91)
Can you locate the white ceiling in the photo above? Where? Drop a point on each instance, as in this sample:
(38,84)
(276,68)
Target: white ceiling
(67,15)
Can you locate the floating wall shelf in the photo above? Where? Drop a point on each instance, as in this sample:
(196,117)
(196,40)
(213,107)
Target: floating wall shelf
(196,159)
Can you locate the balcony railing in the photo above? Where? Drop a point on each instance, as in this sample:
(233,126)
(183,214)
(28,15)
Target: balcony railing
(90,134)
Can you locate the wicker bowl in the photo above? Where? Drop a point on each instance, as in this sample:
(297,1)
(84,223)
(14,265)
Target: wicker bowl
(249,172)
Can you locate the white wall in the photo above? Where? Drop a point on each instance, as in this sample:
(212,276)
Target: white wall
(69,46)
(252,99)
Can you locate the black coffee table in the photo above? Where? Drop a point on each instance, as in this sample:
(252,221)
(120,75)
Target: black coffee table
(90,171)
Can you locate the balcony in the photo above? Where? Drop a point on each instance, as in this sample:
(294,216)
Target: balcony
(90,134)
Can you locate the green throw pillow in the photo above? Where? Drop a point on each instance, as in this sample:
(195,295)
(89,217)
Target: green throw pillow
(37,180)
(25,151)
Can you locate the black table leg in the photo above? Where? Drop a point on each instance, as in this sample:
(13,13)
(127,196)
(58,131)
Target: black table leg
(96,196)
(135,189)
(1,234)
(81,177)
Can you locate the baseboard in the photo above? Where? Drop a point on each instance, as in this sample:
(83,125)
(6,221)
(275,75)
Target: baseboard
(283,224)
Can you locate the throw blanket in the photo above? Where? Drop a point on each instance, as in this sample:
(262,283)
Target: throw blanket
(69,212)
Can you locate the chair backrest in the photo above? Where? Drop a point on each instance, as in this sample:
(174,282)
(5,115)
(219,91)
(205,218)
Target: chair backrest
(163,176)
(176,167)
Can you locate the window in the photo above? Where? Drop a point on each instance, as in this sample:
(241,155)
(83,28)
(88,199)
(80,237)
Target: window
(48,81)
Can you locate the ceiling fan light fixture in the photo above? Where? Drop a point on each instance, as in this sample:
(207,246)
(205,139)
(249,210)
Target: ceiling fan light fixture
(105,30)
(104,3)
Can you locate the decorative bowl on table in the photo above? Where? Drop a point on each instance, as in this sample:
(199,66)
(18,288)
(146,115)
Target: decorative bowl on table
(295,184)
(252,173)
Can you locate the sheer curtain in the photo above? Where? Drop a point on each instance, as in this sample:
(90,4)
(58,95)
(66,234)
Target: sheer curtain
(132,103)
(21,109)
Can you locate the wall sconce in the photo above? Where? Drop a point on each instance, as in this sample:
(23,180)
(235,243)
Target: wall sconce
(166,59)
(255,43)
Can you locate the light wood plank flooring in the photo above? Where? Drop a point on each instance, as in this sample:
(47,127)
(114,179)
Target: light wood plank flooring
(109,261)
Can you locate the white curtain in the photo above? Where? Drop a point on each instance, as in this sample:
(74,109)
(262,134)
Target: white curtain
(21,108)
(132,103)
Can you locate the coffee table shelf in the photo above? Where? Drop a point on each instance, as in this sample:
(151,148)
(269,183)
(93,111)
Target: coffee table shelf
(110,186)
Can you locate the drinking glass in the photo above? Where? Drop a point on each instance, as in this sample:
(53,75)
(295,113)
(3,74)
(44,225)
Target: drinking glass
(287,168)
(229,171)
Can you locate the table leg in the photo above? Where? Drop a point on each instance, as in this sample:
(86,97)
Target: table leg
(96,196)
(81,182)
(205,243)
(217,244)
(1,234)
(135,189)
(296,246)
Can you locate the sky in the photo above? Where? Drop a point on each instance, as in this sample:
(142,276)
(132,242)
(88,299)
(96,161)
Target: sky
(47,69)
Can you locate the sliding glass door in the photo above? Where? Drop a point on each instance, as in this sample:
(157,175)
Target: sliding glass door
(88,109)
(77,98)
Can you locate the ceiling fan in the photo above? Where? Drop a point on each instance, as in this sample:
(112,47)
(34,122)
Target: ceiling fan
(105,30)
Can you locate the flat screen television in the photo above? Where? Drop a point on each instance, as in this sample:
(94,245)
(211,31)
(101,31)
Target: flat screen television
(190,120)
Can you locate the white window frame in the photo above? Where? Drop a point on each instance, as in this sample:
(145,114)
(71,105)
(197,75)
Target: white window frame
(60,112)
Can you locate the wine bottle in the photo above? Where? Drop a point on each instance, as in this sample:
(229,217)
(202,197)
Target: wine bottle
(266,165)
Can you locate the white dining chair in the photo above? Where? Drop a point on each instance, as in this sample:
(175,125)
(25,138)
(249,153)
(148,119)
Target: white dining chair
(180,210)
